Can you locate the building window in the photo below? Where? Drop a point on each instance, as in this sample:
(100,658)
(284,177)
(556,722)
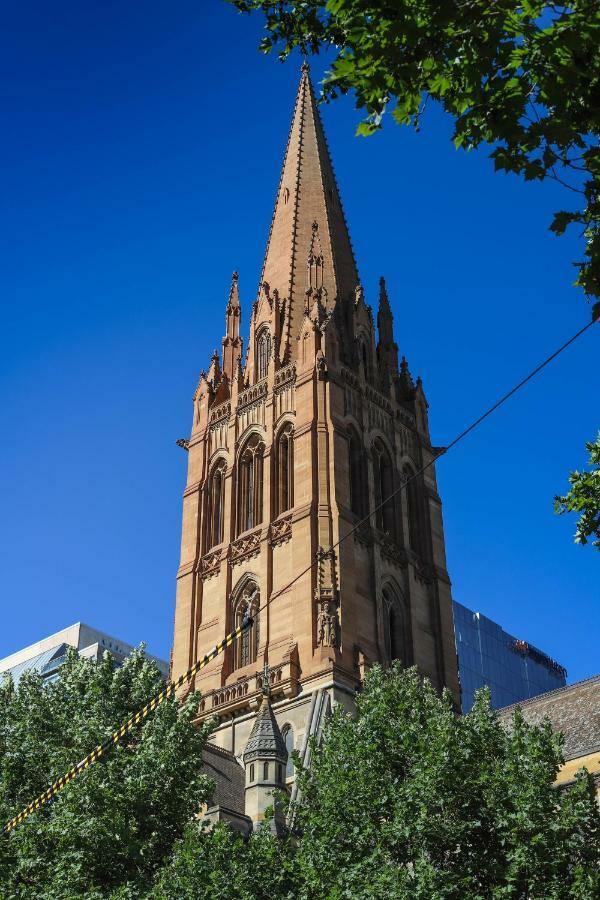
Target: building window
(363,358)
(356,470)
(250,485)
(396,628)
(251,771)
(216,505)
(384,486)
(413,511)
(284,470)
(245,650)
(265,771)
(263,352)
(288,736)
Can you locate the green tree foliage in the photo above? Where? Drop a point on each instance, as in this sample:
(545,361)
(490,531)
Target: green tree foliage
(584,498)
(219,865)
(408,800)
(114,825)
(404,800)
(520,75)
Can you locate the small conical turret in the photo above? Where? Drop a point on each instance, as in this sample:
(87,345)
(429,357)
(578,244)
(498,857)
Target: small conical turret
(265,758)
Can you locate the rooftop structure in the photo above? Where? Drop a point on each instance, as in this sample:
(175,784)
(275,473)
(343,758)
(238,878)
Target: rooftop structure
(47,654)
(510,667)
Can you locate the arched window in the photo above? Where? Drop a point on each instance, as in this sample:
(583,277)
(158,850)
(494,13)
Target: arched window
(263,352)
(265,771)
(250,485)
(288,736)
(396,628)
(245,650)
(413,510)
(216,505)
(284,470)
(251,771)
(384,486)
(357,480)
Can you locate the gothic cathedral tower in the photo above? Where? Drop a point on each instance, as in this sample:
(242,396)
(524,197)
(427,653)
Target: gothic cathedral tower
(292,444)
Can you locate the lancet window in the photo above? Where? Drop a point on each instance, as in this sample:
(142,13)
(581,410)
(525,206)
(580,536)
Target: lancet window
(288,736)
(263,352)
(250,485)
(396,627)
(356,472)
(413,510)
(364,357)
(245,650)
(384,486)
(284,470)
(216,505)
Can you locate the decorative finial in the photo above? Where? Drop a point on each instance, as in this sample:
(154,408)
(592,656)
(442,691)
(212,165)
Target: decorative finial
(405,376)
(215,355)
(383,296)
(305,68)
(266,686)
(234,276)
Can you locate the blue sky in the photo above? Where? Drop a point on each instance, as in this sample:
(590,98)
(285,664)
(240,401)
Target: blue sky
(139,162)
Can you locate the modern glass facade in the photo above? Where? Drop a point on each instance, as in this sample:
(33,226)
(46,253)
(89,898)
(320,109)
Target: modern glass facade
(511,668)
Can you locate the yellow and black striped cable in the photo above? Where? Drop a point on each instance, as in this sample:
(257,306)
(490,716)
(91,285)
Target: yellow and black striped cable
(120,733)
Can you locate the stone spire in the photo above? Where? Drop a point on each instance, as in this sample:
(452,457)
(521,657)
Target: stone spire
(387,349)
(232,342)
(308,194)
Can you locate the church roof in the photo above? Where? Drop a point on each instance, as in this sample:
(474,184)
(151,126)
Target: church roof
(265,739)
(573,709)
(308,194)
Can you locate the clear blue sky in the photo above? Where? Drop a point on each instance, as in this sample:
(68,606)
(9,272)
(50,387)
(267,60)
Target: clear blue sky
(140,153)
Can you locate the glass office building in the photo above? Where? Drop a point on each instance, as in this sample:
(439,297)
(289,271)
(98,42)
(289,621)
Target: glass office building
(45,656)
(511,668)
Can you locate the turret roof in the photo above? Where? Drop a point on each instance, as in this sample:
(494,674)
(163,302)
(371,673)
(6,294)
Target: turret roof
(266,740)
